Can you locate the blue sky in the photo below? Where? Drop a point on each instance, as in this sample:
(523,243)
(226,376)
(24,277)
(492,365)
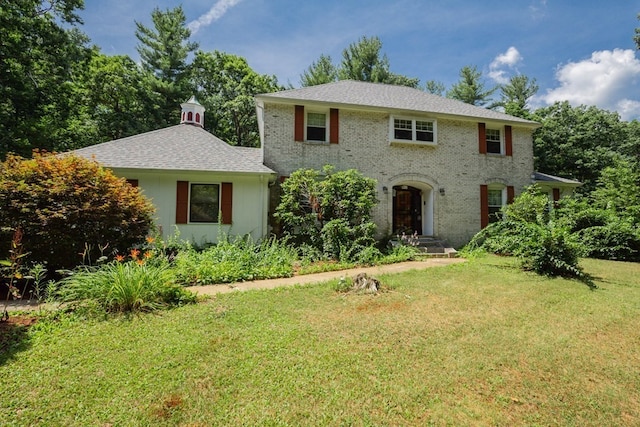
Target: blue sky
(579,51)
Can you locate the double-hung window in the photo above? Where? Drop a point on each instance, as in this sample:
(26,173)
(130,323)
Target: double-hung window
(316,127)
(413,130)
(204,203)
(497,199)
(494,142)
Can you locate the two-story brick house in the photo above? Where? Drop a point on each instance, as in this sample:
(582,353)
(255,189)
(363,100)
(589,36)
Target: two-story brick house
(443,167)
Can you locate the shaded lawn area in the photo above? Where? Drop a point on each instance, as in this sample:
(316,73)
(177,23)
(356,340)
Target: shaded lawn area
(479,343)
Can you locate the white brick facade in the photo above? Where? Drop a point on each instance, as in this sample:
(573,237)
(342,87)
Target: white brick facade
(449,174)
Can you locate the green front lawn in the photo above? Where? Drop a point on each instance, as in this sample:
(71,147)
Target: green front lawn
(479,343)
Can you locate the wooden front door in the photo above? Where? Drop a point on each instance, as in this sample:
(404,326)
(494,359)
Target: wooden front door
(407,210)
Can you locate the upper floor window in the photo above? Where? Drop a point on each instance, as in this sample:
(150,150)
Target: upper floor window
(494,142)
(413,130)
(316,127)
(495,139)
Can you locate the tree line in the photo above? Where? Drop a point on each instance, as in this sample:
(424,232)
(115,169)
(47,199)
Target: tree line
(59,93)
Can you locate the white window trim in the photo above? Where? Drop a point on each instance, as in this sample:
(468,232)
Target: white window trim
(413,141)
(326,125)
(219,184)
(503,190)
(502,143)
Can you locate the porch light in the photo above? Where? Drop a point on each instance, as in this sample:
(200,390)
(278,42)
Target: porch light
(385,190)
(442,191)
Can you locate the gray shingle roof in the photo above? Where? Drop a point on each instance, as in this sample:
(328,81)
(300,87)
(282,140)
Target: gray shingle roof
(182,147)
(389,97)
(543,177)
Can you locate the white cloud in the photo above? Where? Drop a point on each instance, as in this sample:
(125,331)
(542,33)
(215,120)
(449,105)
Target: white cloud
(538,9)
(509,59)
(607,80)
(216,12)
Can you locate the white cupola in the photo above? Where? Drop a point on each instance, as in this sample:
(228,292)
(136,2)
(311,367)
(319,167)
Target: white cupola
(192,112)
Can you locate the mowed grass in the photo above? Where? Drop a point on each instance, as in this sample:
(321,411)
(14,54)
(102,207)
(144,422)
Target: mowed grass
(479,343)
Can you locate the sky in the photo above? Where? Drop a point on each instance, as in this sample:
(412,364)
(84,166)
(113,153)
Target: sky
(579,51)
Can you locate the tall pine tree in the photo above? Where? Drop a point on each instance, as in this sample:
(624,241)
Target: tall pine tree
(164,50)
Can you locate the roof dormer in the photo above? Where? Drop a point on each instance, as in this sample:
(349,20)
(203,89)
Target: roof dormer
(192,112)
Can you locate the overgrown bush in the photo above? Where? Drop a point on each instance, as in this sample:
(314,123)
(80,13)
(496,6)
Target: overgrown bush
(137,285)
(328,210)
(531,233)
(605,222)
(237,260)
(68,207)
(615,240)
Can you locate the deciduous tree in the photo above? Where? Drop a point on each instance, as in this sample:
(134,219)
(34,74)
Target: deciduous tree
(226,87)
(577,142)
(39,61)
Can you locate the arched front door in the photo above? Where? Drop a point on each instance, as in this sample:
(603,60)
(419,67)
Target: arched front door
(407,209)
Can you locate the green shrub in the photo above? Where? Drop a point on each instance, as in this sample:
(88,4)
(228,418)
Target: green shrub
(615,240)
(344,241)
(328,210)
(399,253)
(68,207)
(233,261)
(531,233)
(131,286)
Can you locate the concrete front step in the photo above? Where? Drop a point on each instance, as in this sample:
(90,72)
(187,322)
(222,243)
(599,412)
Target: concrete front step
(430,246)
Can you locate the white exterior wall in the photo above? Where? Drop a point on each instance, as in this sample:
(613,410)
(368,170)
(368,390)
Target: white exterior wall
(454,164)
(249,207)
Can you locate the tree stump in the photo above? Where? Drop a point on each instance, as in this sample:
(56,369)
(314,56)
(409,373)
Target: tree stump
(363,283)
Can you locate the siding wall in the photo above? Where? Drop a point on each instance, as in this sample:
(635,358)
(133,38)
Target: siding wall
(250,203)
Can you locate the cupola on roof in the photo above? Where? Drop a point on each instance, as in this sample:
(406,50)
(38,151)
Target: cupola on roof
(192,112)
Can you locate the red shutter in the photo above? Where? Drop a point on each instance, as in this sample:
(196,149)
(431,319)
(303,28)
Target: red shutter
(556,194)
(482,138)
(133,182)
(298,130)
(283,178)
(226,202)
(182,202)
(510,194)
(508,141)
(484,206)
(333,126)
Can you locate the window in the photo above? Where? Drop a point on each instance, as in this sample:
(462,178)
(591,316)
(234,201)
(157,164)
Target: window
(316,127)
(492,198)
(413,130)
(424,131)
(204,203)
(496,201)
(403,129)
(494,143)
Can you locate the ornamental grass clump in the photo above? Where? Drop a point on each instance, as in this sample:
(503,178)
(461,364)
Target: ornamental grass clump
(140,284)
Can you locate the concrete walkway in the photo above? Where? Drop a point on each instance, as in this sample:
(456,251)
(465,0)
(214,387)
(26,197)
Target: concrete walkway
(322,277)
(23,305)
